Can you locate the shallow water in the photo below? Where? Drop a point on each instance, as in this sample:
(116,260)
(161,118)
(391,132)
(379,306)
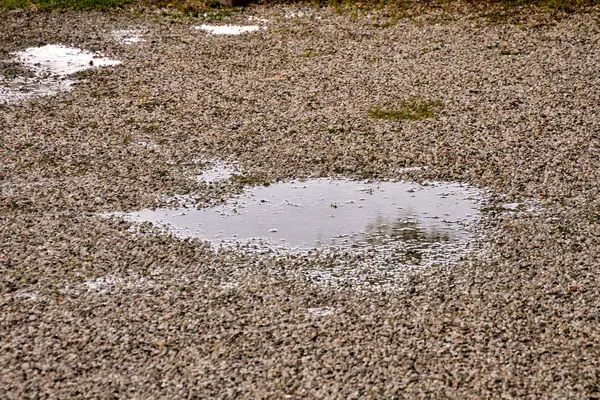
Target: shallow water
(52,66)
(61,60)
(320,311)
(217,172)
(20,89)
(323,213)
(227,29)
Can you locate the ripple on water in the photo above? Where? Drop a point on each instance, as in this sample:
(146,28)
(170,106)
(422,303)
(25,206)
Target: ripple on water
(400,221)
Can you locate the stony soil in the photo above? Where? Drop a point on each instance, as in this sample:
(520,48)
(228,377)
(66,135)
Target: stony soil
(92,310)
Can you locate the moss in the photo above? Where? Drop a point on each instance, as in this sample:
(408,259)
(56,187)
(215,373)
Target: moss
(309,54)
(510,53)
(335,130)
(209,9)
(63,4)
(411,109)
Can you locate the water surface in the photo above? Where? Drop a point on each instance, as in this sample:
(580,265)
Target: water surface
(50,70)
(320,213)
(227,29)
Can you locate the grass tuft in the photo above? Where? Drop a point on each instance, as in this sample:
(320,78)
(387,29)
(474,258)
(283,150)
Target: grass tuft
(411,109)
(209,9)
(45,5)
(309,54)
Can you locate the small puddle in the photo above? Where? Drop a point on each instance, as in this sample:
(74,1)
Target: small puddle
(49,69)
(216,173)
(320,311)
(227,29)
(332,214)
(61,60)
(27,295)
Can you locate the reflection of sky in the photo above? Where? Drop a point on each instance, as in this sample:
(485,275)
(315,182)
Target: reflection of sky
(321,212)
(50,65)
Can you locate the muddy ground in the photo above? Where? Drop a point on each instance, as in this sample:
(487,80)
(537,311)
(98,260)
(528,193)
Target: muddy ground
(91,309)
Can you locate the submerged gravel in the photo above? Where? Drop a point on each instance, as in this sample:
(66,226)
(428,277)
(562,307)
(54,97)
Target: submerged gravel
(91,309)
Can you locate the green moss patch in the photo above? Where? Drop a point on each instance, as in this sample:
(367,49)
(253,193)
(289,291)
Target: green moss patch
(411,109)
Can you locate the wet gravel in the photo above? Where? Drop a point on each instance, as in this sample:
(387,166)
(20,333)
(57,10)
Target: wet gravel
(91,309)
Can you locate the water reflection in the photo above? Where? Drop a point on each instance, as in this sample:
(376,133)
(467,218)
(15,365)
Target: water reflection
(323,213)
(381,231)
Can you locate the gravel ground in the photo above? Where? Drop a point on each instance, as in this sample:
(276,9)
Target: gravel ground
(91,310)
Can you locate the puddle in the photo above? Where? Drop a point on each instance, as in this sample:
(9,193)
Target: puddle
(50,68)
(28,296)
(128,36)
(320,311)
(339,233)
(410,169)
(227,29)
(323,213)
(102,283)
(61,60)
(20,89)
(217,172)
(259,20)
